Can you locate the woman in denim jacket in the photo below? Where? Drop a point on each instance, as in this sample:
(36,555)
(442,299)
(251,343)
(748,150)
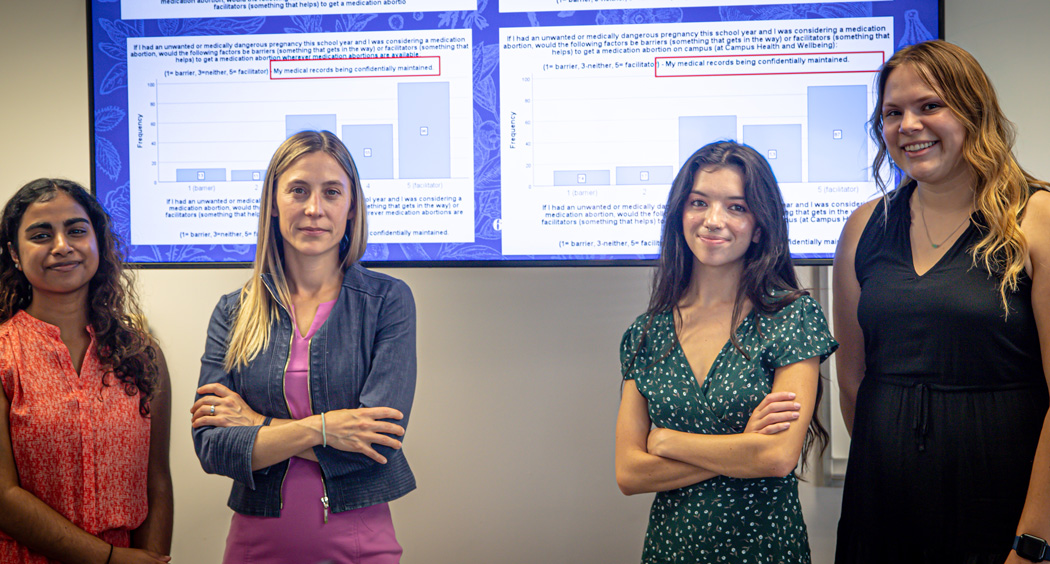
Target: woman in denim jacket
(308,375)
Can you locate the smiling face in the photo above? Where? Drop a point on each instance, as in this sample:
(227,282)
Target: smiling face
(924,138)
(312,203)
(717,223)
(57,247)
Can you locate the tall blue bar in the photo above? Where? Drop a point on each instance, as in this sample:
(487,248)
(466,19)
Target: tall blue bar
(318,122)
(838,141)
(781,145)
(696,131)
(372,147)
(424,140)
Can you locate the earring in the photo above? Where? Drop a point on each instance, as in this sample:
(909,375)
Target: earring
(18,265)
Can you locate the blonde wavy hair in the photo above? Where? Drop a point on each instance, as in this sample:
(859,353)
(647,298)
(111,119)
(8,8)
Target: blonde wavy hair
(257,307)
(1002,186)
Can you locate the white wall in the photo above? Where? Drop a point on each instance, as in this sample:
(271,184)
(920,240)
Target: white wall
(512,434)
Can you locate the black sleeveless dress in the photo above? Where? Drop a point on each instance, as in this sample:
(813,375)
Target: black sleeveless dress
(949,412)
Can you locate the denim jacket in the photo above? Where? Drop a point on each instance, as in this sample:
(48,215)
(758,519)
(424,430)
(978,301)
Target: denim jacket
(364,355)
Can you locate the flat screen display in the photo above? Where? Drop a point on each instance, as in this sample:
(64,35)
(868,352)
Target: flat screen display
(486,132)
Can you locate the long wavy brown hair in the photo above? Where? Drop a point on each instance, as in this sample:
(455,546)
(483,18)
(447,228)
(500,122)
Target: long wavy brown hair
(1002,186)
(768,281)
(123,343)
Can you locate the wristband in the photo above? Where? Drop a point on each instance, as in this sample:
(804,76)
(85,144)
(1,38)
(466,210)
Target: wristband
(1031,547)
(324,432)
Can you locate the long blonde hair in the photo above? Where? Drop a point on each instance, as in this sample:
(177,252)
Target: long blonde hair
(257,308)
(1002,186)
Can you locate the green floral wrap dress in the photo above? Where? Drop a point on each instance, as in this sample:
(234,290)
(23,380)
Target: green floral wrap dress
(724,519)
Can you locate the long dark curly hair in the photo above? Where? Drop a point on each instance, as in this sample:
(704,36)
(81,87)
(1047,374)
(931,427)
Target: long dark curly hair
(124,345)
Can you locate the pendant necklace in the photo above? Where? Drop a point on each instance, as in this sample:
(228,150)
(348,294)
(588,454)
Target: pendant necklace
(926,227)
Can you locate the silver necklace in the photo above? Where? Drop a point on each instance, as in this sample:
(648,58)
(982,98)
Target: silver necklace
(926,227)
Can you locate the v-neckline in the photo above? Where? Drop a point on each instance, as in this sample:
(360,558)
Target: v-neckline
(910,256)
(314,325)
(701,388)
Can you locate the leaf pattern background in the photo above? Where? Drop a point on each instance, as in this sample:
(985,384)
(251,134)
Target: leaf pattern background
(353,22)
(118,203)
(107,158)
(111,131)
(107,118)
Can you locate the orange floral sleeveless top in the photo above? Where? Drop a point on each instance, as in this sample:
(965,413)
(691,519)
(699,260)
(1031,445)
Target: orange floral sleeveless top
(79,446)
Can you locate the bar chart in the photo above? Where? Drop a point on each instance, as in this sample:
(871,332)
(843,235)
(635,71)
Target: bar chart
(583,135)
(229,138)
(618,127)
(205,129)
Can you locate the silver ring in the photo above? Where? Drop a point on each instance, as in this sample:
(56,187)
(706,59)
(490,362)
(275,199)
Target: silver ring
(213,410)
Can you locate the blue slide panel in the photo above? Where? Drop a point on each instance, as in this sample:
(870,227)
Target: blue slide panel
(838,140)
(424,138)
(781,145)
(696,131)
(319,122)
(372,147)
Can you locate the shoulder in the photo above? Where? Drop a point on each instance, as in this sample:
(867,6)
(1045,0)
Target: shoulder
(19,330)
(645,335)
(647,320)
(12,338)
(803,308)
(857,221)
(1036,227)
(229,303)
(362,280)
(646,327)
(845,259)
(9,329)
(1037,210)
(798,331)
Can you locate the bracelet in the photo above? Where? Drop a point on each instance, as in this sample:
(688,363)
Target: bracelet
(324,432)
(110,557)
(267,421)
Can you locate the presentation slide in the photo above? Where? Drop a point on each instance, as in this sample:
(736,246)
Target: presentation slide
(484,133)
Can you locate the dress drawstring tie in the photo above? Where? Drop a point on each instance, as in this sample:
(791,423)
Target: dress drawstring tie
(921,423)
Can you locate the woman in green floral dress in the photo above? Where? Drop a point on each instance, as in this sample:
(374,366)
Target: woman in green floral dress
(721,374)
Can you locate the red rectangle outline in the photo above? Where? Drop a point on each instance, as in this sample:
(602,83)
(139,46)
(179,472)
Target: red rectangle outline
(272,61)
(656,63)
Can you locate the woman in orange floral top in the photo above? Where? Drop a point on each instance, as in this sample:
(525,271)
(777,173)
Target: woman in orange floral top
(84,416)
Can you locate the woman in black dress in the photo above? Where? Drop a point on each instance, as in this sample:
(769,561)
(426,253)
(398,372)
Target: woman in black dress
(942,307)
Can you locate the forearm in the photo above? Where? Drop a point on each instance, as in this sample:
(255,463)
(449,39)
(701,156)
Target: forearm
(849,374)
(155,532)
(848,406)
(1035,519)
(276,443)
(33,523)
(743,455)
(641,472)
(308,453)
